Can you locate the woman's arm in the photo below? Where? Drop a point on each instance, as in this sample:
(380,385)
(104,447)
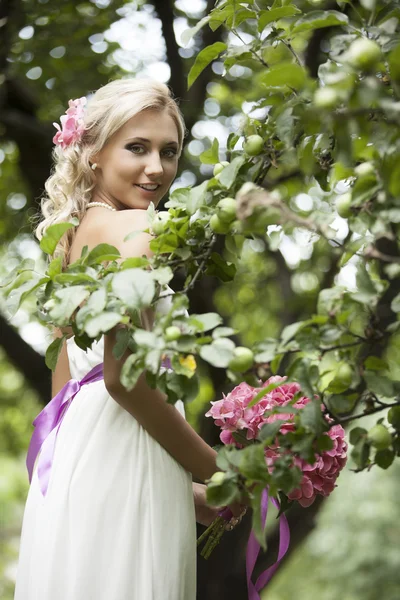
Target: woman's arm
(148,406)
(161,420)
(61,374)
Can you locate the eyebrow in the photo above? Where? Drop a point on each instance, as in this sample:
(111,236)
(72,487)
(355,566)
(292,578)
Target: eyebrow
(146,140)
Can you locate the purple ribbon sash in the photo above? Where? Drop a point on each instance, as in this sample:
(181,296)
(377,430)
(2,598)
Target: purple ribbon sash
(253,547)
(47,424)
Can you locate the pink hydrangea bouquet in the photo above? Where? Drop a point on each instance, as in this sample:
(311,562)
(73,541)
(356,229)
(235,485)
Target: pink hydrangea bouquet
(234,416)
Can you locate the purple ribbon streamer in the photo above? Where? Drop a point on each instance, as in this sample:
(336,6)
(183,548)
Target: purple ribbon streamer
(47,424)
(253,547)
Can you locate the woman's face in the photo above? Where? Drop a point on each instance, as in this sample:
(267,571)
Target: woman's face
(143,152)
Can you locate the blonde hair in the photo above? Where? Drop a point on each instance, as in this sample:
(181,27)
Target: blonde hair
(69,187)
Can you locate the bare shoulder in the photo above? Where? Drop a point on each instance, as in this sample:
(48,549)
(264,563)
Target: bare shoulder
(115,227)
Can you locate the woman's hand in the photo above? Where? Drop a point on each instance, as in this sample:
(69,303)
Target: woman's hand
(205,514)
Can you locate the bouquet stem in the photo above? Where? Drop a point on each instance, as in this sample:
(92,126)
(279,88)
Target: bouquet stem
(214,533)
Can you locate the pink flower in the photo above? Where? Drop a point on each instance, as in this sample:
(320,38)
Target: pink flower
(72,124)
(232,413)
(321,476)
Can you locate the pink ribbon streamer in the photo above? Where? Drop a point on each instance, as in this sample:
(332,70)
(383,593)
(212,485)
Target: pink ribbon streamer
(253,547)
(47,424)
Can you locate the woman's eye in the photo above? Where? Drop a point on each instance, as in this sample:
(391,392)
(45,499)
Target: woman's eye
(170,152)
(135,148)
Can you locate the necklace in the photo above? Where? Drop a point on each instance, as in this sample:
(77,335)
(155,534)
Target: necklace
(101,204)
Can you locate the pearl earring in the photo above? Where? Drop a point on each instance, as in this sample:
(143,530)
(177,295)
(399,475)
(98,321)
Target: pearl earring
(94,165)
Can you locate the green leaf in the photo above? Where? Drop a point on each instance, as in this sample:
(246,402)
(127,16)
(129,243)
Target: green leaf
(121,345)
(55,267)
(357,434)
(25,267)
(162,275)
(271,16)
(152,361)
(203,59)
(196,197)
(265,351)
(269,431)
(218,267)
(340,404)
(252,464)
(394,64)
(263,392)
(384,458)
(53,235)
(73,278)
(188,34)
(318,19)
(395,304)
(101,323)
(219,353)
(379,385)
(373,363)
(257,525)
(136,288)
(131,370)
(323,443)
(223,332)
(311,418)
(205,321)
(68,301)
(100,253)
(95,305)
(290,331)
(53,352)
(360,453)
(210,156)
(148,339)
(184,387)
(283,75)
(221,495)
(229,174)
(19,294)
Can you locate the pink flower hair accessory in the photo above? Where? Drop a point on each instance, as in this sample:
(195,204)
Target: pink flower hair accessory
(72,124)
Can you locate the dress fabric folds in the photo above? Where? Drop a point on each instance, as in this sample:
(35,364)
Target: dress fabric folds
(118,519)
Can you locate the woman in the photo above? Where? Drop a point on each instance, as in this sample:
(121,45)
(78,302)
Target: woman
(118,519)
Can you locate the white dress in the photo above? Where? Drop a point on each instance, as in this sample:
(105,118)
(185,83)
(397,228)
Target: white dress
(118,519)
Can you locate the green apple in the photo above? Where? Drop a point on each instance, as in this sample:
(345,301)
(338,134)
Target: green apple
(253,145)
(218,477)
(242,360)
(343,205)
(226,210)
(363,53)
(394,417)
(364,169)
(217,225)
(326,97)
(344,374)
(160,223)
(172,333)
(220,167)
(379,437)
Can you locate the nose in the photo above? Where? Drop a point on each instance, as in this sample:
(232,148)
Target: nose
(153,167)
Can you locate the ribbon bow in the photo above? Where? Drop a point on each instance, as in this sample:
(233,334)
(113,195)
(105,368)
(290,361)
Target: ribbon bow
(47,424)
